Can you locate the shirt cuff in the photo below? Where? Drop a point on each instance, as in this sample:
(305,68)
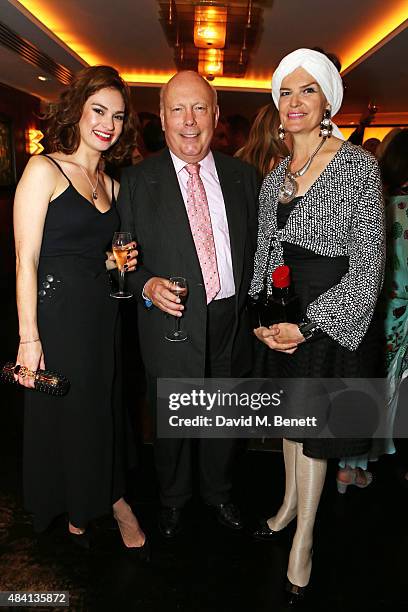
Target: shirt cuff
(147,302)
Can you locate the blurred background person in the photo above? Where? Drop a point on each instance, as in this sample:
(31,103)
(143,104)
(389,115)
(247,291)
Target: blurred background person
(394,300)
(145,117)
(367,117)
(264,149)
(394,170)
(371,145)
(238,132)
(220,141)
(386,141)
(151,137)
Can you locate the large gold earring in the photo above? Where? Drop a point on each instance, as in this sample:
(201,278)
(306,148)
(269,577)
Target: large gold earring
(326,126)
(281,132)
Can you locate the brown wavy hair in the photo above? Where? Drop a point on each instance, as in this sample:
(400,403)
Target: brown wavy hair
(63,117)
(264,149)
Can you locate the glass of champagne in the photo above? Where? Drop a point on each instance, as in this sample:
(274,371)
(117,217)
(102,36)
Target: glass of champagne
(180,288)
(120,250)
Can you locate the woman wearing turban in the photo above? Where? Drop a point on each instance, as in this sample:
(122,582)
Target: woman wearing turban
(321,213)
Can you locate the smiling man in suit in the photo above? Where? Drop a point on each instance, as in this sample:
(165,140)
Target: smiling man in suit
(194,214)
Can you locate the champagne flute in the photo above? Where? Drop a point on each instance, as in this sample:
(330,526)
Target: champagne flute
(120,250)
(180,288)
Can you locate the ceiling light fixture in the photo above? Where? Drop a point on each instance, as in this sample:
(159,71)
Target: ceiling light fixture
(232,27)
(393,16)
(210,25)
(211,63)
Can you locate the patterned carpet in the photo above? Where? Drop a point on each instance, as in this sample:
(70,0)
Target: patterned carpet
(210,569)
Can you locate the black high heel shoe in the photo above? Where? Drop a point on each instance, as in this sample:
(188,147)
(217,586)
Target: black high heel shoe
(140,553)
(136,553)
(82,540)
(264,532)
(295,594)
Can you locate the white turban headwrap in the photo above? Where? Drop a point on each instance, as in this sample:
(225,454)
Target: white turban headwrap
(320,68)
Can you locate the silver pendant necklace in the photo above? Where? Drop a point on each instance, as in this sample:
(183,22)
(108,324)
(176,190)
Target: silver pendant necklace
(289,188)
(94,187)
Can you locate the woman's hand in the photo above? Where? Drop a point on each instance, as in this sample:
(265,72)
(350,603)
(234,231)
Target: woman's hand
(30,356)
(131,259)
(283,337)
(287,333)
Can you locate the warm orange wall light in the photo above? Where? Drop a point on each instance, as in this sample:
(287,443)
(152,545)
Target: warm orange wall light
(370,132)
(393,18)
(33,137)
(51,20)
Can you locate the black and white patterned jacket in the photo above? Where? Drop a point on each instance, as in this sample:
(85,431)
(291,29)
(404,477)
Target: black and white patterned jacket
(341,214)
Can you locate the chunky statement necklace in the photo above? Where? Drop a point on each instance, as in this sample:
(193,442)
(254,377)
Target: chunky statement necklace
(289,188)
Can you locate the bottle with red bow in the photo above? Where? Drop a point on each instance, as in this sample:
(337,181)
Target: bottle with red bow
(282,306)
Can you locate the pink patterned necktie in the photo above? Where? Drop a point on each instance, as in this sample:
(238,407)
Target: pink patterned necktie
(201,229)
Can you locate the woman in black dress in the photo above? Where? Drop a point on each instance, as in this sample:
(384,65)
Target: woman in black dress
(321,213)
(64,219)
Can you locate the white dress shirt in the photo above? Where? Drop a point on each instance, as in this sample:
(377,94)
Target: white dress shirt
(209,177)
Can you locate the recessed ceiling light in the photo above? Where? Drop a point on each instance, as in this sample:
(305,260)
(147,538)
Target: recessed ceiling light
(43,78)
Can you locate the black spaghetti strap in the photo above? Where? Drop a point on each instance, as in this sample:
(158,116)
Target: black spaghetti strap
(113,200)
(58,166)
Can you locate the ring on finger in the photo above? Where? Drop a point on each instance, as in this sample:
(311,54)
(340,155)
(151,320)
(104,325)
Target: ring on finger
(25,372)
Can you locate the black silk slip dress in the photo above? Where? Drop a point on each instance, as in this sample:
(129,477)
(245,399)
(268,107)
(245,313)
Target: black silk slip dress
(74,446)
(312,275)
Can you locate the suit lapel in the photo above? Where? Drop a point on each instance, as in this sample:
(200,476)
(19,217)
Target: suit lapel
(234,199)
(165,190)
